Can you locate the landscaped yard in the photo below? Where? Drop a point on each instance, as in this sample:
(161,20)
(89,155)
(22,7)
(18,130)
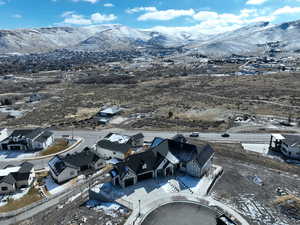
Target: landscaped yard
(59,145)
(31,197)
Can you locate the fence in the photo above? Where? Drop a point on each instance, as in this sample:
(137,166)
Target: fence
(46,203)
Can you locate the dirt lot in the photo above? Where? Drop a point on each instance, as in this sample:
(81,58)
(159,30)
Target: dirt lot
(76,214)
(169,102)
(255,197)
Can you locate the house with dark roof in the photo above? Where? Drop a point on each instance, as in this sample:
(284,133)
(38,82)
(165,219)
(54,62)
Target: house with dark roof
(13,178)
(64,168)
(287,144)
(119,146)
(163,158)
(28,140)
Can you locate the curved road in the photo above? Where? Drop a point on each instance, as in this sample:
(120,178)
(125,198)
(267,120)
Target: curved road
(90,137)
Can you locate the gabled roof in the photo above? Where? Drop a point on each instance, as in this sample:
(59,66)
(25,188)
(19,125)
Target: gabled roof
(26,167)
(204,154)
(181,151)
(44,136)
(138,136)
(84,158)
(138,163)
(115,142)
(291,140)
(111,110)
(9,179)
(27,133)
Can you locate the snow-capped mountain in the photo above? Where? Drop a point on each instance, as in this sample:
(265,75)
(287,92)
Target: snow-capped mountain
(251,39)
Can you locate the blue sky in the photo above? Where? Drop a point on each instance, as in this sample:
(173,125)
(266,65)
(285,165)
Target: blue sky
(209,16)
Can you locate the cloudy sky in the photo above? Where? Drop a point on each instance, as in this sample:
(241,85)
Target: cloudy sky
(209,16)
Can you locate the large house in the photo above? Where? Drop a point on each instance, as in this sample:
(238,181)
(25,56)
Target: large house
(28,140)
(64,168)
(289,145)
(13,178)
(119,146)
(162,159)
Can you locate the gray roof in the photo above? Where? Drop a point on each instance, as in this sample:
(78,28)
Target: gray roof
(27,133)
(114,146)
(26,167)
(9,179)
(138,136)
(184,152)
(84,158)
(44,136)
(291,140)
(204,154)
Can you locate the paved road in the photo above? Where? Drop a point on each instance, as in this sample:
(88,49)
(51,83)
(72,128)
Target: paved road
(91,137)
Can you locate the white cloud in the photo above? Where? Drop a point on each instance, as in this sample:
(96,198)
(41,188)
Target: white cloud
(166,14)
(77,20)
(2,2)
(205,15)
(101,18)
(287,10)
(211,22)
(141,9)
(255,2)
(109,5)
(71,18)
(17,16)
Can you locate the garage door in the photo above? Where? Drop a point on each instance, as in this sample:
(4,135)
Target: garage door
(129,181)
(145,176)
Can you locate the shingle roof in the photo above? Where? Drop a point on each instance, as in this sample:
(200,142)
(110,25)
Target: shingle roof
(184,152)
(114,146)
(26,167)
(291,140)
(9,179)
(138,136)
(44,136)
(204,154)
(84,158)
(138,163)
(27,133)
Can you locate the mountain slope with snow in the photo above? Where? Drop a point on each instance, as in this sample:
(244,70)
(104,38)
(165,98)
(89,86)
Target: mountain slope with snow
(251,39)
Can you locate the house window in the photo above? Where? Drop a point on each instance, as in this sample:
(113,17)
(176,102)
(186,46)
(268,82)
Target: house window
(72,173)
(4,188)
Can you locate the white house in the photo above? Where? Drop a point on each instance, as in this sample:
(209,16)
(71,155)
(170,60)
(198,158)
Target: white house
(13,178)
(64,168)
(289,145)
(28,140)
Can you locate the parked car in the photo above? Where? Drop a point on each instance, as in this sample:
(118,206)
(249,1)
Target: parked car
(225,135)
(194,134)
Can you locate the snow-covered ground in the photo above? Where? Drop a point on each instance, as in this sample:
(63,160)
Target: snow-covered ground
(17,195)
(16,154)
(109,208)
(54,188)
